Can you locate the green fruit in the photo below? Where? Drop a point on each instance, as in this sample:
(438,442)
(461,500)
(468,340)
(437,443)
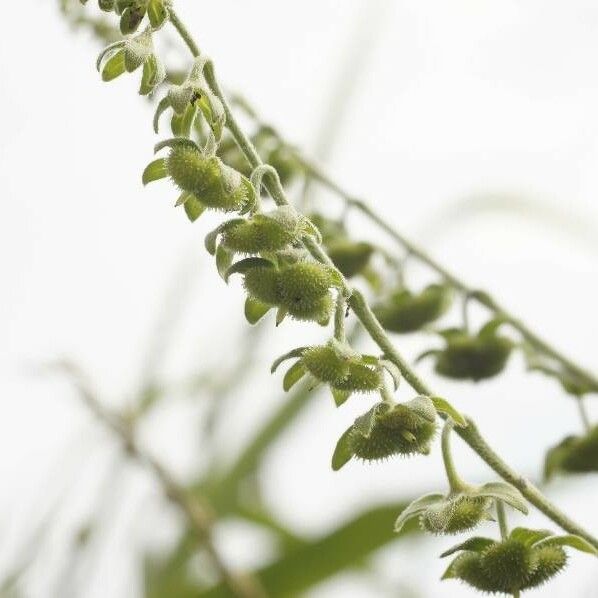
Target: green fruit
(455,515)
(261,283)
(304,283)
(256,235)
(406,312)
(360,378)
(468,568)
(475,358)
(507,565)
(582,455)
(398,430)
(326,364)
(348,256)
(548,560)
(318,311)
(213,183)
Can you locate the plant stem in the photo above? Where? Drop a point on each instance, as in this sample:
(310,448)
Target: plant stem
(339,318)
(501,515)
(364,313)
(583,413)
(185,35)
(196,510)
(456,484)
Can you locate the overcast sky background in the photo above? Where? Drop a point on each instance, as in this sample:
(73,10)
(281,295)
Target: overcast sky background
(472,125)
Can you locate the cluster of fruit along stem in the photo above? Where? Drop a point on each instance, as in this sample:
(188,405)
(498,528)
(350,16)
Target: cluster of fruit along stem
(362,310)
(568,369)
(442,514)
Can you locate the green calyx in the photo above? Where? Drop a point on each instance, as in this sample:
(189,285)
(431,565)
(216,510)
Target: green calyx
(130,54)
(473,357)
(574,454)
(460,510)
(405,311)
(387,430)
(193,95)
(339,366)
(455,514)
(524,560)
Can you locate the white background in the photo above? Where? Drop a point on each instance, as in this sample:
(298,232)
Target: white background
(471,124)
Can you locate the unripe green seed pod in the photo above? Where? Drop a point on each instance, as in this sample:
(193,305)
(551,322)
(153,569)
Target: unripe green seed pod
(261,283)
(326,364)
(468,568)
(318,311)
(214,184)
(348,256)
(474,358)
(304,284)
(582,455)
(548,562)
(507,565)
(406,312)
(263,232)
(455,515)
(360,378)
(402,429)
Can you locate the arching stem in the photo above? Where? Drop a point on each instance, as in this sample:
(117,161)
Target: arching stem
(501,515)
(456,484)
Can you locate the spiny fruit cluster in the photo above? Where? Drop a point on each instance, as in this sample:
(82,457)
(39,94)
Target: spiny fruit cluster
(524,560)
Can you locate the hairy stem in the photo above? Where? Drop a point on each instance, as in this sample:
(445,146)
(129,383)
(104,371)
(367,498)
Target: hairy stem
(583,414)
(364,313)
(501,515)
(197,511)
(339,318)
(456,484)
